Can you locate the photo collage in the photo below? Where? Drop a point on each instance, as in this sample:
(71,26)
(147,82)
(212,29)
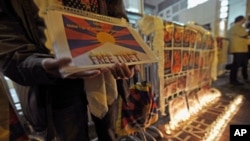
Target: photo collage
(188,58)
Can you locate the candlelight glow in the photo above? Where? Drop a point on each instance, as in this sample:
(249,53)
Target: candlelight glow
(214,130)
(181,116)
(220,123)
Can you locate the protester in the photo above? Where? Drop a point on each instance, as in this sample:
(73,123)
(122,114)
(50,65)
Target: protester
(237,35)
(248,31)
(26,57)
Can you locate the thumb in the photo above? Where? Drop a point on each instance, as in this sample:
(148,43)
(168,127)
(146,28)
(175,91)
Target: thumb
(51,63)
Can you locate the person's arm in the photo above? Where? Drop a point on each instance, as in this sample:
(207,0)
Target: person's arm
(240,32)
(20,58)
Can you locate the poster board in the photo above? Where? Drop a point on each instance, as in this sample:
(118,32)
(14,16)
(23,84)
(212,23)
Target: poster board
(94,41)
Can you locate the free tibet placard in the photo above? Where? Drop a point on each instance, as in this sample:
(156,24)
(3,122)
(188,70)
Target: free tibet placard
(95,43)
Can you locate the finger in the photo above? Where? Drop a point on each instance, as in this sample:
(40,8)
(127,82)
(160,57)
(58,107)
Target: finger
(91,74)
(132,72)
(63,61)
(126,70)
(122,70)
(51,63)
(113,71)
(137,68)
(119,71)
(103,70)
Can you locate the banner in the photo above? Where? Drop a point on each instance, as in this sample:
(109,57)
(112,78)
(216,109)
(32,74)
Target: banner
(95,43)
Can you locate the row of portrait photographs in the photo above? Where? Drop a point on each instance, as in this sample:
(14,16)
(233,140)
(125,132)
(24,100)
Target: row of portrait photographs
(174,85)
(187,81)
(179,60)
(178,35)
(197,77)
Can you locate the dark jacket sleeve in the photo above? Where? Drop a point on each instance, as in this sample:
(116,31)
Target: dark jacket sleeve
(20,54)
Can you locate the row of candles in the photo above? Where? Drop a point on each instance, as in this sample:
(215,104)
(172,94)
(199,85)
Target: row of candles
(182,116)
(216,128)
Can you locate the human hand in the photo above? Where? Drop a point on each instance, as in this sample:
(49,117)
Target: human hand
(52,66)
(122,71)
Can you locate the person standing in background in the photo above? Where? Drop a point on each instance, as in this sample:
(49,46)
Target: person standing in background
(26,57)
(248,31)
(238,47)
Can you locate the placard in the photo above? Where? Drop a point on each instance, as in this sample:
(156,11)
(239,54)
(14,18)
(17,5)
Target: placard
(95,43)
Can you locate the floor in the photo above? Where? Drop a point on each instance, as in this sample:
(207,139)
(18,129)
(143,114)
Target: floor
(243,115)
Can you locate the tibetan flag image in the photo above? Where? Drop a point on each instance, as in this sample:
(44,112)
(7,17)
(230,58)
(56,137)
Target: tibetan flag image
(93,43)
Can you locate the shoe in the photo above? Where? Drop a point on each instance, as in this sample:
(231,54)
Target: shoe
(236,83)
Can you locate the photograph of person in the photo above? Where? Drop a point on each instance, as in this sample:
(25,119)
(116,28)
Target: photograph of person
(170,86)
(186,37)
(199,40)
(196,78)
(192,38)
(168,34)
(197,59)
(178,35)
(190,80)
(182,82)
(173,86)
(167,61)
(185,59)
(176,67)
(191,59)
(202,59)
